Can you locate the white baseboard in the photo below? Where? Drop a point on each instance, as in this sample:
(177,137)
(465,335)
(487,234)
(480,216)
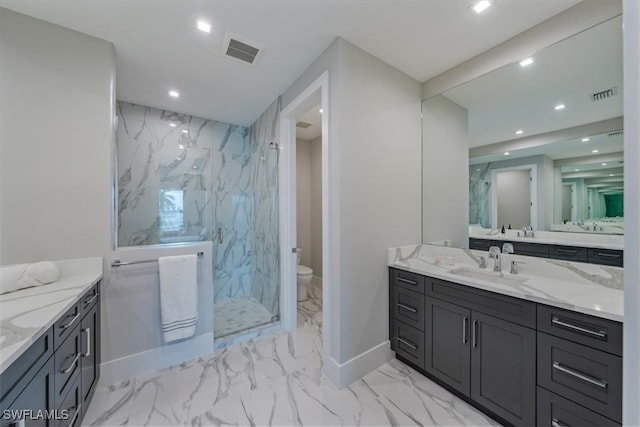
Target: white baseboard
(344,374)
(135,365)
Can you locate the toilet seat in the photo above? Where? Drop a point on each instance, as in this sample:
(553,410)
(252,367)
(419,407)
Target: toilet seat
(304,270)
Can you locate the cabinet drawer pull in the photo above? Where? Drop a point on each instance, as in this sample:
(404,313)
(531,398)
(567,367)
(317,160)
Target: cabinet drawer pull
(608,255)
(407,281)
(71,365)
(90,300)
(567,251)
(75,416)
(557,423)
(580,375)
(88,352)
(465,320)
(599,334)
(65,326)
(408,308)
(407,343)
(474,332)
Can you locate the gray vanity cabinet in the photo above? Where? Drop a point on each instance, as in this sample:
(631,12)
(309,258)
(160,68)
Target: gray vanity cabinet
(503,368)
(447,343)
(90,346)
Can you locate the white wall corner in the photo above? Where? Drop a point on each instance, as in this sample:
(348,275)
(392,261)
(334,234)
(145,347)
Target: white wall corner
(344,374)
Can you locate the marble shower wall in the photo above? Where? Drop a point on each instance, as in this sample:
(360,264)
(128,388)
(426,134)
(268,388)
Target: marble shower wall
(265,245)
(480,195)
(209,163)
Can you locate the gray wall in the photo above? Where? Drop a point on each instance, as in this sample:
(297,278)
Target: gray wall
(316,206)
(445,172)
(303,199)
(374,178)
(56,110)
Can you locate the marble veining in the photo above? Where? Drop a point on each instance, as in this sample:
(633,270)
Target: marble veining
(278,380)
(25,315)
(480,194)
(238,314)
(585,288)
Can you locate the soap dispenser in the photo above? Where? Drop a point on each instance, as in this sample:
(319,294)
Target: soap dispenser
(503,229)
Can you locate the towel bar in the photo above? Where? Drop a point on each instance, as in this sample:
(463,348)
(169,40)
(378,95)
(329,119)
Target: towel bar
(118,263)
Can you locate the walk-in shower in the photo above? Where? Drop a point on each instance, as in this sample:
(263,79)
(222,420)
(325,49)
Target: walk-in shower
(186,179)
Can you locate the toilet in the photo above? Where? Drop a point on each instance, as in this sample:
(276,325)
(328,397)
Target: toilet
(305,274)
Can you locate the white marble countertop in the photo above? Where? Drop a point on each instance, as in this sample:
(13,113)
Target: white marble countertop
(25,315)
(586,288)
(554,238)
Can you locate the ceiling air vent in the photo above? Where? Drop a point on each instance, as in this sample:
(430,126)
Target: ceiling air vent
(616,133)
(241,49)
(603,94)
(303,125)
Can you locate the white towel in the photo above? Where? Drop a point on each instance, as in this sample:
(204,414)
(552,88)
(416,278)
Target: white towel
(20,276)
(178,296)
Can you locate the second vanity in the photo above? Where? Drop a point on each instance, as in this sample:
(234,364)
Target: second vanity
(541,347)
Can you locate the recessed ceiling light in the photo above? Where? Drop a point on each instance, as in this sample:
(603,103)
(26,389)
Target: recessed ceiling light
(481,6)
(585,139)
(174,94)
(478,170)
(506,153)
(576,170)
(320,111)
(594,151)
(173,125)
(195,167)
(519,132)
(525,62)
(559,107)
(604,164)
(204,26)
(185,131)
(610,174)
(181,146)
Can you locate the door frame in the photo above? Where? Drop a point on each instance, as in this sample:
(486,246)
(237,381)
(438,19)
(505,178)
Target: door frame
(318,89)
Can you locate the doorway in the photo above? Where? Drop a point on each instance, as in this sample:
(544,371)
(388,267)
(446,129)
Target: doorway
(514,197)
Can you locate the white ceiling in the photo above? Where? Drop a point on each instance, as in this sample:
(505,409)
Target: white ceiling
(314,117)
(513,97)
(158,47)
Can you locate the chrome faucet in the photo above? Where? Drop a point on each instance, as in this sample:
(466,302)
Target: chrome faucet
(494,252)
(527,231)
(595,226)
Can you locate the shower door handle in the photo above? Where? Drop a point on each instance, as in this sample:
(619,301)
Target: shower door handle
(220,235)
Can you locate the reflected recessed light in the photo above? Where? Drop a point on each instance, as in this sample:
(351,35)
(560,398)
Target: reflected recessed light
(519,132)
(173,125)
(204,26)
(478,170)
(174,93)
(320,111)
(594,151)
(604,164)
(559,107)
(481,6)
(195,167)
(181,146)
(525,62)
(185,131)
(506,153)
(585,139)
(576,170)
(610,174)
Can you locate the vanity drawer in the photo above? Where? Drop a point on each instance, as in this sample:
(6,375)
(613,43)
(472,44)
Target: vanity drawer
(67,365)
(589,377)
(408,280)
(531,249)
(556,411)
(66,324)
(90,298)
(503,307)
(602,334)
(408,342)
(72,404)
(481,244)
(408,307)
(606,257)
(568,253)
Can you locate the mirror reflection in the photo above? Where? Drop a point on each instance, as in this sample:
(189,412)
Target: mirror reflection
(546,137)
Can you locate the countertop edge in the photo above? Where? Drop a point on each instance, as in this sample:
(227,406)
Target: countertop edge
(543,241)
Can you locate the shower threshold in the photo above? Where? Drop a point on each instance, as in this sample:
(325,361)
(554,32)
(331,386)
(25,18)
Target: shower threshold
(240,315)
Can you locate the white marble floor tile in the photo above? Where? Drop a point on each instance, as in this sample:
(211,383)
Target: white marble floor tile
(276,380)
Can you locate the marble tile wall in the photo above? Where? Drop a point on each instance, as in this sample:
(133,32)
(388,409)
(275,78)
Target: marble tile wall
(209,162)
(480,195)
(265,246)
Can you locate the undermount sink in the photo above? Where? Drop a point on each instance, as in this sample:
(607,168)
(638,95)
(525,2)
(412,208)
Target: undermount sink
(491,276)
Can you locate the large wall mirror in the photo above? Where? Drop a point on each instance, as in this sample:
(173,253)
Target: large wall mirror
(546,137)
